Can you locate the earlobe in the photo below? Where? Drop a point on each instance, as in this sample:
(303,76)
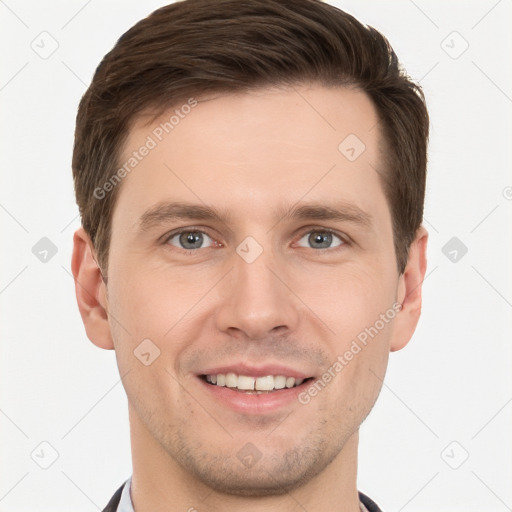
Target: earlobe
(409,291)
(90,291)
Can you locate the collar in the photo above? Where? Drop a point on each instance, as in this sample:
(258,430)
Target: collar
(126,504)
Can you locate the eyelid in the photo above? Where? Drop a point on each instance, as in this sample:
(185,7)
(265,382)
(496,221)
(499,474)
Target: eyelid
(309,229)
(190,229)
(303,231)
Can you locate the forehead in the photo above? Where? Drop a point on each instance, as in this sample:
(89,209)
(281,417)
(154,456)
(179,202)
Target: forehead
(270,145)
(301,113)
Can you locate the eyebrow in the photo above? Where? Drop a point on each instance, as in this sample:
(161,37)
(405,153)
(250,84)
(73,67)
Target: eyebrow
(171,211)
(341,212)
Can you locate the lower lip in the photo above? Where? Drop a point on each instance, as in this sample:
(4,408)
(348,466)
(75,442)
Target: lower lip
(254,403)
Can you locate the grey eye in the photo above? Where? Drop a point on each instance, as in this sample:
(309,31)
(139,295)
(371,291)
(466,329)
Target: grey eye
(189,240)
(320,239)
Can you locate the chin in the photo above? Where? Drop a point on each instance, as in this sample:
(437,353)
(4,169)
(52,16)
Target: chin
(257,483)
(273,475)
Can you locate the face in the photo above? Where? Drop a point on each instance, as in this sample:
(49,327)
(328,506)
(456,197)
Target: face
(250,248)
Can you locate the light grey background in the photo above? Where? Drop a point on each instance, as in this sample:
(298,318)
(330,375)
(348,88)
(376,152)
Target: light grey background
(447,396)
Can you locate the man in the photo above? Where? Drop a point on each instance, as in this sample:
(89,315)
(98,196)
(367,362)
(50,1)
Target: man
(251,178)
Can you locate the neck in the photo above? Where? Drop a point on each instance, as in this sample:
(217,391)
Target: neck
(160,484)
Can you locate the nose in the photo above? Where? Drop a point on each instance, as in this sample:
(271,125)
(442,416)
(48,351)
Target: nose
(257,301)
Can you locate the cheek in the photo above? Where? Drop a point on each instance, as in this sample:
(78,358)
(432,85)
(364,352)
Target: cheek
(152,302)
(348,299)
(358,307)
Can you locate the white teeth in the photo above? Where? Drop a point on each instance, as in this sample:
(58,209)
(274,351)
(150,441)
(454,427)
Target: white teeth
(265,383)
(247,383)
(279,382)
(231,380)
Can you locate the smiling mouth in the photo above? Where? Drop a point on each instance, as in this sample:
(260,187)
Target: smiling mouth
(254,385)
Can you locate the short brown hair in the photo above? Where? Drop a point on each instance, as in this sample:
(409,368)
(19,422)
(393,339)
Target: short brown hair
(193,47)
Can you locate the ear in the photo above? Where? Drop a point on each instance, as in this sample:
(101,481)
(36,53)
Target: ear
(409,291)
(91,291)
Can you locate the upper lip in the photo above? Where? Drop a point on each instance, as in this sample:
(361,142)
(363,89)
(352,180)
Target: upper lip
(256,371)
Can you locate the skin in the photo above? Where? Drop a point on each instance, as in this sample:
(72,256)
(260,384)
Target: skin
(254,156)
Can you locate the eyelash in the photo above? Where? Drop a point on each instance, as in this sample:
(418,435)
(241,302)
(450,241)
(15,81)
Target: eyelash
(174,234)
(343,238)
